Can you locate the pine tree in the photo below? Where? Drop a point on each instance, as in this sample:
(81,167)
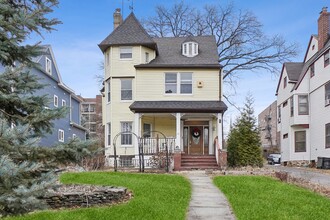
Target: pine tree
(244,140)
(26,170)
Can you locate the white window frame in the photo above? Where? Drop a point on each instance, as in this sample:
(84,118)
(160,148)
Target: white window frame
(60,135)
(48,66)
(108,91)
(147,57)
(327,136)
(109,133)
(326,58)
(178,83)
(327,93)
(149,134)
(55,100)
(63,102)
(303,105)
(126,89)
(107,58)
(300,141)
(74,136)
(190,49)
(125,51)
(123,142)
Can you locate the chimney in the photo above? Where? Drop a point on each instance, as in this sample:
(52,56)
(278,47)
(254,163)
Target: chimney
(323,27)
(117,18)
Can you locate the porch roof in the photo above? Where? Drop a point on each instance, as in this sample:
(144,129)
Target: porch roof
(178,106)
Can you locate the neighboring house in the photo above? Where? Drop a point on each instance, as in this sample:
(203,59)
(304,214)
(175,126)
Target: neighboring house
(91,117)
(59,95)
(303,99)
(267,121)
(170,86)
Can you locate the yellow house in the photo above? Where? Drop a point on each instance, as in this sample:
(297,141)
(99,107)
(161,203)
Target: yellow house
(159,89)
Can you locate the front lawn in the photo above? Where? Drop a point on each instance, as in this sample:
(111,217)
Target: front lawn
(256,197)
(156,196)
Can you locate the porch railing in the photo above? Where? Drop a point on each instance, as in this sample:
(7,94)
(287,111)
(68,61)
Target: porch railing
(155,145)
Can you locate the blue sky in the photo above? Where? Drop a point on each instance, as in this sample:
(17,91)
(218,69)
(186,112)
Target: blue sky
(87,22)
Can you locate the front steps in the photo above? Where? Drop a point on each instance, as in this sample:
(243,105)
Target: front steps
(198,162)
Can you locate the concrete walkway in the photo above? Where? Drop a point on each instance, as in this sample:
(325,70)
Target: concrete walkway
(207,202)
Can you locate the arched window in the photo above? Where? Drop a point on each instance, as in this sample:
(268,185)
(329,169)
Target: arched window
(190,49)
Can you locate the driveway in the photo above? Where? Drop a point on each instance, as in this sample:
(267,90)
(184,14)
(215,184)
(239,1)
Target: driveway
(311,175)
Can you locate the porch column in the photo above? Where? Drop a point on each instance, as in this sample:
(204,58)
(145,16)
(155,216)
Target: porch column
(211,146)
(136,131)
(219,129)
(178,132)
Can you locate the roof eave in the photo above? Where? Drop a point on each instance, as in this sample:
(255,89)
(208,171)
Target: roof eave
(181,66)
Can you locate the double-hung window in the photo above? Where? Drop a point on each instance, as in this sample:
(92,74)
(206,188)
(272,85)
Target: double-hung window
(63,102)
(291,106)
(327,135)
(185,83)
(285,82)
(125,53)
(60,135)
(126,136)
(48,66)
(312,70)
(178,83)
(109,134)
(108,91)
(302,104)
(126,89)
(326,58)
(300,141)
(55,101)
(327,93)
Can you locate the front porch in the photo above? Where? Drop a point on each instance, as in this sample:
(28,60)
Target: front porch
(187,127)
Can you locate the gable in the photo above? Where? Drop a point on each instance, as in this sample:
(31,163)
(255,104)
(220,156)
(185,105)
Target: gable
(312,48)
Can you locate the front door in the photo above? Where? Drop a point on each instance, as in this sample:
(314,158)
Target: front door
(196,140)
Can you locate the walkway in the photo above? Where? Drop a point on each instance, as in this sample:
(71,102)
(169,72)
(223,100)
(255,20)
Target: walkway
(207,202)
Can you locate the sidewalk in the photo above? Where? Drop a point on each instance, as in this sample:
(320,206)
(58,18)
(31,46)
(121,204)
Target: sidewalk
(207,202)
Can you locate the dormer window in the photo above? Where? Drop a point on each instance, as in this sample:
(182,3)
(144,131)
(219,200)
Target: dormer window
(189,49)
(48,66)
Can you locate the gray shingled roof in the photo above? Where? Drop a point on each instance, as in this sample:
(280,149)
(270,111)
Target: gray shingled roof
(178,106)
(170,52)
(130,32)
(294,70)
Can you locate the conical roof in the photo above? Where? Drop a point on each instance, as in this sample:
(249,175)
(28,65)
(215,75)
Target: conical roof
(130,32)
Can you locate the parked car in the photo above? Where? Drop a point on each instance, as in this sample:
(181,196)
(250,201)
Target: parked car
(274,158)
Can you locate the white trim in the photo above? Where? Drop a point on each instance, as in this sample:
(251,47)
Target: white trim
(178,83)
(48,66)
(55,100)
(126,52)
(60,135)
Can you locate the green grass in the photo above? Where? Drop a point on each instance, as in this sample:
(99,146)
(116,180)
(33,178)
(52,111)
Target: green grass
(156,196)
(256,197)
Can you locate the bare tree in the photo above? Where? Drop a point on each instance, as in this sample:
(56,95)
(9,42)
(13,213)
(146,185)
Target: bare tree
(242,44)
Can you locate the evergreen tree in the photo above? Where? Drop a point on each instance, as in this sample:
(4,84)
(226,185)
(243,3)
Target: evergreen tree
(26,170)
(244,140)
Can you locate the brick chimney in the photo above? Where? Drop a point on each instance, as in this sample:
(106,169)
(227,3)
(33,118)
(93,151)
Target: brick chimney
(323,27)
(117,18)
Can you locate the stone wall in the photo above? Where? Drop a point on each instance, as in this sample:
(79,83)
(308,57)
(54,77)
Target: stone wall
(75,196)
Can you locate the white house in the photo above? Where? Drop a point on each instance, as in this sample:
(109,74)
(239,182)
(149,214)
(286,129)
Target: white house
(303,99)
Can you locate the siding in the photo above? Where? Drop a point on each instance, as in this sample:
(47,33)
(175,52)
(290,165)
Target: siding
(150,85)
